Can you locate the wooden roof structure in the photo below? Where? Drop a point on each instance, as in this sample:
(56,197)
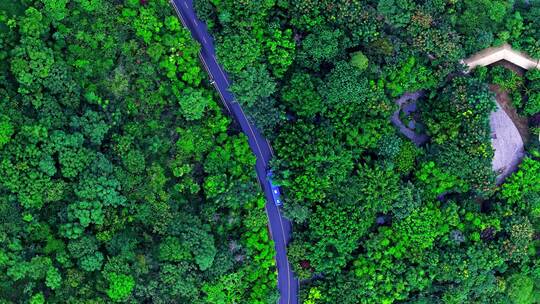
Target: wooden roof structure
(505,52)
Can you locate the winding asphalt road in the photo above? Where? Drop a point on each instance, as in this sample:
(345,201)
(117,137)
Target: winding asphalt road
(280,227)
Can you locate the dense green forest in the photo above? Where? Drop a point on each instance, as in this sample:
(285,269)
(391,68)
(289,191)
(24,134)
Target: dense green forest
(378,219)
(121,180)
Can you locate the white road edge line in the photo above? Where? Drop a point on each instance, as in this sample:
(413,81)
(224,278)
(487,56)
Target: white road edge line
(179,14)
(288,264)
(256,142)
(221,71)
(215,84)
(253,133)
(270,146)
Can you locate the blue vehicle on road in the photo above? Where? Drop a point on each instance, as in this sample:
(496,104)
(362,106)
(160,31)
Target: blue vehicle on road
(275,190)
(279,226)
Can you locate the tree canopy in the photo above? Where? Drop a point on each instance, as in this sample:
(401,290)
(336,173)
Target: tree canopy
(376,218)
(123,181)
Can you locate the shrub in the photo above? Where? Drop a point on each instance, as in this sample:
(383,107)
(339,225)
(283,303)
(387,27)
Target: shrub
(389,146)
(520,289)
(120,286)
(6,130)
(411,76)
(436,181)
(505,78)
(359,60)
(532,106)
(406,158)
(523,184)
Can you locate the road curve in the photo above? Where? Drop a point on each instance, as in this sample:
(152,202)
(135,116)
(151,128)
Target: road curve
(280,227)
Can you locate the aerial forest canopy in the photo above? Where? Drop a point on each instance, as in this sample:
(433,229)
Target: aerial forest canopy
(377,218)
(121,180)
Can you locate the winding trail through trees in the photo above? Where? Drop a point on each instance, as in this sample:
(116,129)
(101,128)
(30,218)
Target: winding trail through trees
(418,139)
(280,227)
(506,140)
